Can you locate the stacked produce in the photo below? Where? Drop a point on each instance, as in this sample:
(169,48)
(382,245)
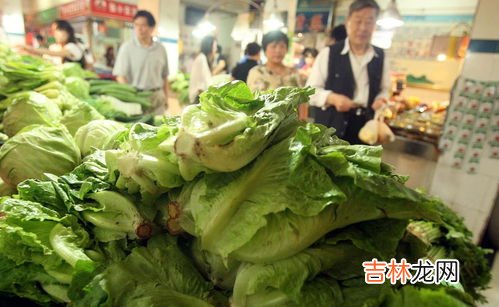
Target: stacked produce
(235,203)
(180,85)
(119,101)
(124,92)
(79,101)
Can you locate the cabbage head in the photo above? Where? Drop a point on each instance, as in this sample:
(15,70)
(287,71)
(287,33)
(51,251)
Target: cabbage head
(97,134)
(79,115)
(30,108)
(71,69)
(37,150)
(78,87)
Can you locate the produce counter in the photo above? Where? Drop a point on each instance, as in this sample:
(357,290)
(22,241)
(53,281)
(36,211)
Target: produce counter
(416,159)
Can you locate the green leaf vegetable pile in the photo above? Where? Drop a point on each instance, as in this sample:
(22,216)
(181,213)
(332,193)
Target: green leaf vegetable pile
(234,203)
(73,96)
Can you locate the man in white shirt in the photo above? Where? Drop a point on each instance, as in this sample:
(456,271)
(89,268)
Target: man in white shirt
(142,62)
(351,77)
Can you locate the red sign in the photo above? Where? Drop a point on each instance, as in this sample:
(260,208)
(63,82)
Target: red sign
(73,9)
(113,9)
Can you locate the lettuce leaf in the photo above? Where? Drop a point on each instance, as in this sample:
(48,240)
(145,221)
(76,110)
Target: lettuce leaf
(295,189)
(231,126)
(156,275)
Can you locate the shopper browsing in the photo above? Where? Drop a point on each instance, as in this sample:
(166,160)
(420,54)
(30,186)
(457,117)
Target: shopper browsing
(351,77)
(251,59)
(65,49)
(142,62)
(220,65)
(273,73)
(201,71)
(337,34)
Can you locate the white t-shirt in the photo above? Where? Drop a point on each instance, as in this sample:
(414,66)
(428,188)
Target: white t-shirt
(144,67)
(200,76)
(75,53)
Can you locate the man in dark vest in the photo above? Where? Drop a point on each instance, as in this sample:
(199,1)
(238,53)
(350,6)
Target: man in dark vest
(351,77)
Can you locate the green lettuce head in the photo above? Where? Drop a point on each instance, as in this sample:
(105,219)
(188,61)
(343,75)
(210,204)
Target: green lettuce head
(37,150)
(231,126)
(78,87)
(79,115)
(30,108)
(96,134)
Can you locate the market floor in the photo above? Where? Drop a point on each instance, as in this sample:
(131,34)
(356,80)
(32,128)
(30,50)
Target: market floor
(174,107)
(492,294)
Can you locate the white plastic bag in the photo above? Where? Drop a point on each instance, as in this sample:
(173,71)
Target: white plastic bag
(376,130)
(385,134)
(369,132)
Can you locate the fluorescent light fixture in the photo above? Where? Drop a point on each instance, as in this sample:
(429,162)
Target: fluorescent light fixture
(441,57)
(13,23)
(273,23)
(390,18)
(203,29)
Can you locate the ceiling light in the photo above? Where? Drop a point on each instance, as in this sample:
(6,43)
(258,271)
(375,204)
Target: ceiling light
(273,23)
(390,18)
(203,29)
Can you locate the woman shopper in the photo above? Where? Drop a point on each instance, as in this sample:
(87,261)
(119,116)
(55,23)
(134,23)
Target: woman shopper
(273,73)
(201,71)
(66,47)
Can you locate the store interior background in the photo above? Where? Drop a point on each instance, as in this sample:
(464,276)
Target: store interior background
(413,49)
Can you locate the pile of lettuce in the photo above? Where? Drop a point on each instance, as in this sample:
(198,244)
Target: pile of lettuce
(235,203)
(34,91)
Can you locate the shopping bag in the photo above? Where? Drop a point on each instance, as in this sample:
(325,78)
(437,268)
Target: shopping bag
(376,131)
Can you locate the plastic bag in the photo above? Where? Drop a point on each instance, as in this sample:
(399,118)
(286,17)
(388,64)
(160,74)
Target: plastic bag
(376,130)
(369,132)
(385,134)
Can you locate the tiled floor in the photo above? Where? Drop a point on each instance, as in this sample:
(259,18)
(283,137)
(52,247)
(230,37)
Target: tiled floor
(492,294)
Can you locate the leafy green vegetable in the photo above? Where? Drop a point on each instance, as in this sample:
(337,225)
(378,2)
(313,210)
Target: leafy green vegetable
(106,106)
(413,297)
(78,87)
(116,218)
(22,73)
(123,92)
(59,94)
(180,85)
(284,280)
(24,280)
(29,108)
(276,212)
(75,70)
(79,115)
(68,193)
(37,150)
(231,127)
(97,134)
(114,108)
(286,193)
(146,163)
(451,239)
(156,275)
(35,237)
(213,267)
(314,276)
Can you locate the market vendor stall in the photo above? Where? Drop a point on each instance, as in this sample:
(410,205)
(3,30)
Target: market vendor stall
(101,25)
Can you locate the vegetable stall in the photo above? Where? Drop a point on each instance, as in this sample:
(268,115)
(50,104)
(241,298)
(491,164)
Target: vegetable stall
(234,203)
